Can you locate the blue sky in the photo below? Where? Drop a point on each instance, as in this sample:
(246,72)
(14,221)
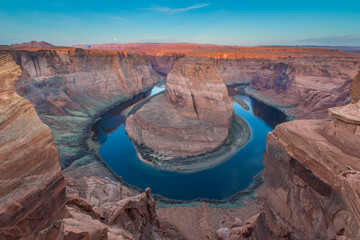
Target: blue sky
(251,22)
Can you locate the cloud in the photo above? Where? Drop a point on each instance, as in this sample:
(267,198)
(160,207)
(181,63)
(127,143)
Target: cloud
(167,10)
(351,40)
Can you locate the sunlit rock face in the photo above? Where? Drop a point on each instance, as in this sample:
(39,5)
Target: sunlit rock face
(193,117)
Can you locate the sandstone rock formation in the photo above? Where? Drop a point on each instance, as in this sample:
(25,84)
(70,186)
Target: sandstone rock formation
(355,88)
(195,86)
(193,117)
(70,87)
(311,165)
(304,82)
(103,209)
(32,191)
(32,187)
(312,178)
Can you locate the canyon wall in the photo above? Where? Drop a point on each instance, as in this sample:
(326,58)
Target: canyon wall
(70,87)
(317,193)
(301,87)
(311,179)
(302,82)
(355,88)
(32,187)
(311,167)
(67,96)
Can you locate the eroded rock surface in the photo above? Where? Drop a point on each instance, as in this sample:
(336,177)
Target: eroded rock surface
(70,87)
(312,179)
(195,86)
(32,191)
(312,174)
(193,117)
(32,187)
(304,82)
(103,209)
(355,88)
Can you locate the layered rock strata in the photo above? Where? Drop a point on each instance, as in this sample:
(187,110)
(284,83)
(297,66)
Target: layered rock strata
(70,87)
(192,117)
(32,187)
(99,208)
(33,203)
(312,180)
(355,88)
(303,82)
(313,76)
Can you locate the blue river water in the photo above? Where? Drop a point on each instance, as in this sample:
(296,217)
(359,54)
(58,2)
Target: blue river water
(220,182)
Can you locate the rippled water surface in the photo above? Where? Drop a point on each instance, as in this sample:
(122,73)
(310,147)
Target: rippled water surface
(220,182)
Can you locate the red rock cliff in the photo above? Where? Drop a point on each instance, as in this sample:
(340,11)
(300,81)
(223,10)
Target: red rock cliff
(312,180)
(69,87)
(32,189)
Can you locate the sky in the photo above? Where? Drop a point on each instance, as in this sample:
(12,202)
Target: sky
(231,22)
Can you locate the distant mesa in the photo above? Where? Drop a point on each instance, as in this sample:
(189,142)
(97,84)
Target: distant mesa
(33,44)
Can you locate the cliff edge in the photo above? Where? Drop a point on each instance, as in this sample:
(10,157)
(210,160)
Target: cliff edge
(312,180)
(32,187)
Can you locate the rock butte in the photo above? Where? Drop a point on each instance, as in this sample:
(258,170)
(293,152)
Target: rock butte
(192,117)
(311,175)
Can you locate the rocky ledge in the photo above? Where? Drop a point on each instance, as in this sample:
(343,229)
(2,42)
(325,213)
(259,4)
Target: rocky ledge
(312,180)
(193,117)
(32,187)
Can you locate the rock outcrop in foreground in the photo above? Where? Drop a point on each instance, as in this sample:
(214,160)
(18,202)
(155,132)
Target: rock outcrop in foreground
(192,117)
(312,180)
(32,187)
(103,209)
